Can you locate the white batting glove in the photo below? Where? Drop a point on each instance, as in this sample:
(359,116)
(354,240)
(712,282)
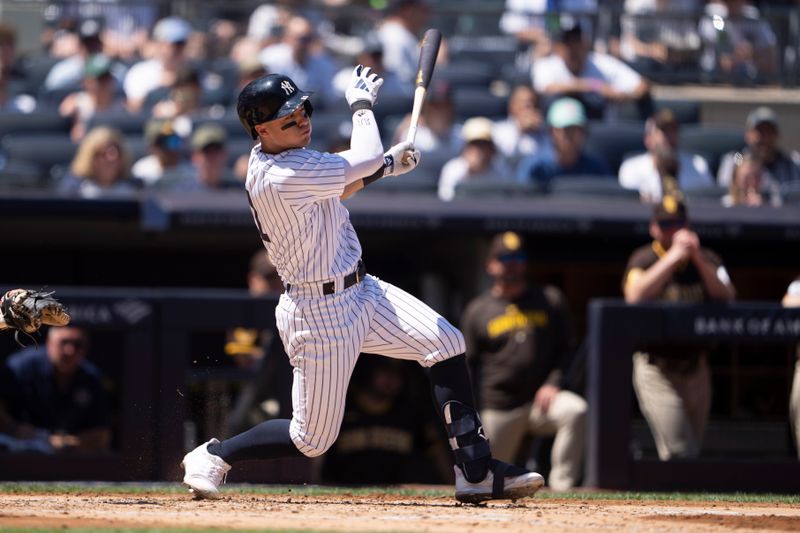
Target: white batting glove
(401,158)
(362,91)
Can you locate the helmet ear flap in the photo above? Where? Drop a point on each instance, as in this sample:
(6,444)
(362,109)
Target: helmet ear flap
(249,127)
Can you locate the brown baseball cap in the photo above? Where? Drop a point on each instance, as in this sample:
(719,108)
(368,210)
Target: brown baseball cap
(665,119)
(508,242)
(670,211)
(208,134)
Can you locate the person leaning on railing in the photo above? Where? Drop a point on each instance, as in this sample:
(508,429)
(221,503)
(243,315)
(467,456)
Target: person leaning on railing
(673,383)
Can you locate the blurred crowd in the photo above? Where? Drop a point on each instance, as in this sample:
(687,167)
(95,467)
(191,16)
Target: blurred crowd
(120,99)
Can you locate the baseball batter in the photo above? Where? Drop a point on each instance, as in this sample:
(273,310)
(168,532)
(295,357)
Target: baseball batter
(332,309)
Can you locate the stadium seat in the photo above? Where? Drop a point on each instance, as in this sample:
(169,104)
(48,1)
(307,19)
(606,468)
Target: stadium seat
(238,146)
(490,188)
(496,51)
(43,150)
(136,145)
(50,99)
(612,141)
(153,97)
(124,122)
(791,194)
(686,111)
(705,194)
(45,122)
(20,174)
(431,164)
(474,101)
(396,105)
(37,67)
(411,183)
(712,141)
(230,122)
(580,185)
(467,73)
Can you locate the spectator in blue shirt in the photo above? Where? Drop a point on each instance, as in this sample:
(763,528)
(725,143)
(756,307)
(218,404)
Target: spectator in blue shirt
(566,154)
(52,399)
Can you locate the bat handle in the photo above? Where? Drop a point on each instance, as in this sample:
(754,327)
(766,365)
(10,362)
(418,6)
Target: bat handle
(412,133)
(416,110)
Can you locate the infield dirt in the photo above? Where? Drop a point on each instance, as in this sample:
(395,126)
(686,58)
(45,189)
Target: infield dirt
(380,512)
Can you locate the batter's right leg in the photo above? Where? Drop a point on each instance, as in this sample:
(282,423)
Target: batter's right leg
(479,477)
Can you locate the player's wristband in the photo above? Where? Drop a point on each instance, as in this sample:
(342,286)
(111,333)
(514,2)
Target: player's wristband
(360,104)
(388,163)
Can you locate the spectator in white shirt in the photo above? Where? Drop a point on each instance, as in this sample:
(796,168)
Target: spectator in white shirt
(69,71)
(596,79)
(479,159)
(527,20)
(523,131)
(639,172)
(170,35)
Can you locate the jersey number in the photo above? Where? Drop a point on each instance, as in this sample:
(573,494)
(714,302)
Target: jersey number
(264,236)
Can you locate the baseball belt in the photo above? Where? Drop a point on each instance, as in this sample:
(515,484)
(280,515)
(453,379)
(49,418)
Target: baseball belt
(329,287)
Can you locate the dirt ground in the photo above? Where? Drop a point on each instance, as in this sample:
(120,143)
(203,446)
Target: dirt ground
(385,513)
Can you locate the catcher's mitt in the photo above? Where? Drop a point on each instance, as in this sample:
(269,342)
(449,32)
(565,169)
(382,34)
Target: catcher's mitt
(26,310)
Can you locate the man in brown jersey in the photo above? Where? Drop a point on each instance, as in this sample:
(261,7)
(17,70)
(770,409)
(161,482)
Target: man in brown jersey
(520,346)
(672,383)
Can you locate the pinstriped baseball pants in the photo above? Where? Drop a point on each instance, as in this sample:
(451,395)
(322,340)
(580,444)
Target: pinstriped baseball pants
(323,336)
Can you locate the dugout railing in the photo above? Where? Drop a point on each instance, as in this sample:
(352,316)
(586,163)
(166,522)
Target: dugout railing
(152,338)
(614,332)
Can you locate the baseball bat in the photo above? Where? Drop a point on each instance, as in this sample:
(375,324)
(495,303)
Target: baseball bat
(429,49)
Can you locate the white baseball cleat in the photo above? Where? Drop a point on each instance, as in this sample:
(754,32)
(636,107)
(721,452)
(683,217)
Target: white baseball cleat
(204,472)
(516,483)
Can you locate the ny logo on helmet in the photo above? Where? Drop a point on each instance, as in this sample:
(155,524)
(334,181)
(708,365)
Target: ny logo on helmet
(286,86)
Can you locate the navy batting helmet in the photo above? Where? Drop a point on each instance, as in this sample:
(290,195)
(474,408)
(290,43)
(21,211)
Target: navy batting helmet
(267,98)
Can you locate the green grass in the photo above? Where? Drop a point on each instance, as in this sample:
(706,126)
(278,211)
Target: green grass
(433,492)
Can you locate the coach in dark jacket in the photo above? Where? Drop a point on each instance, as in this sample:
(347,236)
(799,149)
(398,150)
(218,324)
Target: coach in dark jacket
(52,399)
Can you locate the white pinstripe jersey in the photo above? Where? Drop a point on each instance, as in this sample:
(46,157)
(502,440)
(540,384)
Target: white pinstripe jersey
(294,197)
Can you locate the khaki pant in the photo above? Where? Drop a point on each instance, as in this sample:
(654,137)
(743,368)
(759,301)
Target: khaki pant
(675,404)
(794,406)
(566,419)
